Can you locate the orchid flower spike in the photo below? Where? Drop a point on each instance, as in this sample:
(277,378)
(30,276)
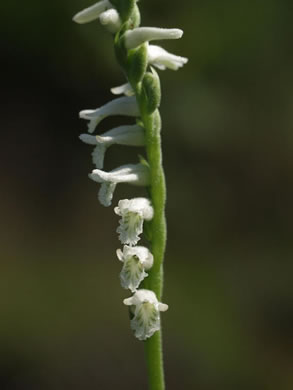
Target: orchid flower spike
(162,59)
(132,135)
(136,174)
(92,13)
(121,106)
(146,308)
(133,212)
(138,36)
(111,20)
(136,260)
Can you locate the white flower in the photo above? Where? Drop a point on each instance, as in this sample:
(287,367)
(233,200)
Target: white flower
(132,135)
(162,59)
(140,35)
(133,213)
(121,106)
(135,261)
(111,20)
(124,89)
(146,310)
(93,12)
(136,174)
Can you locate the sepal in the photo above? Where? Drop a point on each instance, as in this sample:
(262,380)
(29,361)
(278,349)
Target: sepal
(137,63)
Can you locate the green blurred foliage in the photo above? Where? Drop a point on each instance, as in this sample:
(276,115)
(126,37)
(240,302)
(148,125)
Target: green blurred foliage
(227,140)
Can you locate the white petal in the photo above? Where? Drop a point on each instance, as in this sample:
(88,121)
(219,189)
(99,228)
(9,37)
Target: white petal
(91,13)
(128,301)
(130,135)
(124,89)
(111,20)
(136,37)
(121,106)
(163,306)
(162,59)
(135,205)
(119,254)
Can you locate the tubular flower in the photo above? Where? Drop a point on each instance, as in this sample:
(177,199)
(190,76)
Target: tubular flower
(162,59)
(132,135)
(136,174)
(121,106)
(133,212)
(135,261)
(93,12)
(138,36)
(146,308)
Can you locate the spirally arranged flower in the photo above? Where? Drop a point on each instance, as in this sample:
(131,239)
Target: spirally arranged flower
(136,260)
(146,308)
(136,174)
(139,101)
(133,213)
(131,135)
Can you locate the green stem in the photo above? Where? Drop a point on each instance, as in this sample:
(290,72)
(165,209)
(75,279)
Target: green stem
(154,282)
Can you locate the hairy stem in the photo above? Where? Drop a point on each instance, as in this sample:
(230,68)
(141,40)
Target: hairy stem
(154,282)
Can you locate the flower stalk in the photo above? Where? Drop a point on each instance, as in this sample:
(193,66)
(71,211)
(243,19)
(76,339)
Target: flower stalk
(142,270)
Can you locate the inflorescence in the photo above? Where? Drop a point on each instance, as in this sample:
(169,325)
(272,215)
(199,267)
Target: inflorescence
(140,97)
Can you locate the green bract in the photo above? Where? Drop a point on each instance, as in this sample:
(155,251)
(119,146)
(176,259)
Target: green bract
(150,97)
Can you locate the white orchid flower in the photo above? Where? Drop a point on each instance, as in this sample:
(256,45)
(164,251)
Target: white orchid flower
(133,212)
(138,36)
(111,20)
(146,310)
(121,106)
(162,59)
(131,135)
(136,260)
(92,13)
(136,174)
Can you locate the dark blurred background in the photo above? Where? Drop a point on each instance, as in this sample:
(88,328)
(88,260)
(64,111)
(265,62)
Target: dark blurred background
(228,142)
